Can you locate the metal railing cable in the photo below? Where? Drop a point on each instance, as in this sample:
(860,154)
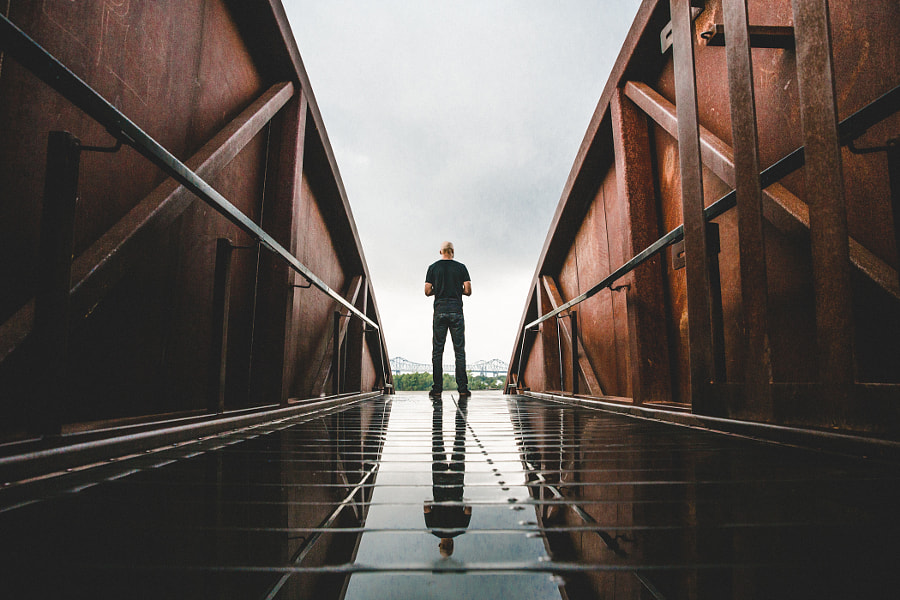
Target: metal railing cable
(849,129)
(27,52)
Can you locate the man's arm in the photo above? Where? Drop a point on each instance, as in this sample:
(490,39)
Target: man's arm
(467,288)
(429,289)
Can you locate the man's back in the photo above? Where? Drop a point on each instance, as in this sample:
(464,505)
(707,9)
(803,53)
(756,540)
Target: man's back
(447,277)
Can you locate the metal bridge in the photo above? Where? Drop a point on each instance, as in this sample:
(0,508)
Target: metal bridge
(196,396)
(487,368)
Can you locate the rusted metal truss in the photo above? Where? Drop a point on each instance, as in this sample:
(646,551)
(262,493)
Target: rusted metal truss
(140,292)
(795,313)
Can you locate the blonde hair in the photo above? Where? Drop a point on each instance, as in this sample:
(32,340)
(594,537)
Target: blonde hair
(447,247)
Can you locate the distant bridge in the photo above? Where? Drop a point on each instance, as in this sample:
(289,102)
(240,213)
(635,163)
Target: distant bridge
(486,368)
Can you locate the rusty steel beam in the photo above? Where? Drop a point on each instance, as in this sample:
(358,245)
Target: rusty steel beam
(278,310)
(550,342)
(102,265)
(754,282)
(51,314)
(325,350)
(780,207)
(355,338)
(825,189)
(56,75)
(221,307)
(757,36)
(584,359)
(645,297)
(700,338)
(289,196)
(105,262)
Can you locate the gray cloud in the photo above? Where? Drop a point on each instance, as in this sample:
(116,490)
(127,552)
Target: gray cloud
(456,120)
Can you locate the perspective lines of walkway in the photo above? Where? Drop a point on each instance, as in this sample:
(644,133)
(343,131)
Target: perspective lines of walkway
(497,497)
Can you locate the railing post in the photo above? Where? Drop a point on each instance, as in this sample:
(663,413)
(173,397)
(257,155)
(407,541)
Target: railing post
(645,298)
(700,344)
(574,317)
(559,346)
(893,158)
(751,236)
(717,319)
(336,354)
(51,319)
(550,345)
(221,306)
(825,195)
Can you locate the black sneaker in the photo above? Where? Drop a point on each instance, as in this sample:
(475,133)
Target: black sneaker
(435,394)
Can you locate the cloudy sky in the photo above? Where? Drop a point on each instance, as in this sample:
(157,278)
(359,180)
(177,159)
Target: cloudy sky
(456,120)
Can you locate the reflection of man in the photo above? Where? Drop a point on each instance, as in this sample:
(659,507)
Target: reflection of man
(448,281)
(447,516)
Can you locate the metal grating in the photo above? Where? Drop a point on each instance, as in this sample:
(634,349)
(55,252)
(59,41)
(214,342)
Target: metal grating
(541,500)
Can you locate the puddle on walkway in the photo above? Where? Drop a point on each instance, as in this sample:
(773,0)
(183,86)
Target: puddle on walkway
(451,496)
(500,497)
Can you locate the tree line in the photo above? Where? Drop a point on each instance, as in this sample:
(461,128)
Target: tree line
(410,382)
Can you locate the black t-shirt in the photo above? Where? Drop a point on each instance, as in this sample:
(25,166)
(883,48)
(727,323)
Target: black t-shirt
(447,278)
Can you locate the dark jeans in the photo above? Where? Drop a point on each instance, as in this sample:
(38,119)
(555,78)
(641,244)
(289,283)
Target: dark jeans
(455,322)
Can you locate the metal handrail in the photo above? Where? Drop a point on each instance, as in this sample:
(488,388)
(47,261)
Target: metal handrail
(46,67)
(849,129)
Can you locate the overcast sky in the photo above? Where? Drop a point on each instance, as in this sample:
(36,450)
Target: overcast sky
(456,120)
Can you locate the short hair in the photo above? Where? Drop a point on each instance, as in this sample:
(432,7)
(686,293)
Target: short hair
(446,547)
(447,247)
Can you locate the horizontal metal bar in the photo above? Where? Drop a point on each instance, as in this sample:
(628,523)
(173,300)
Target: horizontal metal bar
(52,72)
(849,129)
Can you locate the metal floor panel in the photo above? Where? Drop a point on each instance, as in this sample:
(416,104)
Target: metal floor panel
(540,500)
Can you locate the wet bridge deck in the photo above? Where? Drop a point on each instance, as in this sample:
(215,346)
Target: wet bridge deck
(539,499)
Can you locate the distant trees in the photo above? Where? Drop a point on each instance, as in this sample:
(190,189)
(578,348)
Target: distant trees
(409,382)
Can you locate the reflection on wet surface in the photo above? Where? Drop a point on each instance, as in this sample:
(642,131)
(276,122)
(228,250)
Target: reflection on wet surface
(399,498)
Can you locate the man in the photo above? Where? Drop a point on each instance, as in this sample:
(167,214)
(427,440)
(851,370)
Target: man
(448,281)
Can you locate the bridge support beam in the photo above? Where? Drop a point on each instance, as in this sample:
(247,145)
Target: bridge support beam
(278,307)
(700,340)
(825,189)
(645,296)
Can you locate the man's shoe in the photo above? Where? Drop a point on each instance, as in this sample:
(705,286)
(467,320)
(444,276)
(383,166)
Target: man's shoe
(435,394)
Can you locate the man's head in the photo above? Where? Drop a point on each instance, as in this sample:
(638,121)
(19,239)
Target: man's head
(447,250)
(446,547)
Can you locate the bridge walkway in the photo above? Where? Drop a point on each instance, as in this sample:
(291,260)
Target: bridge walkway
(540,500)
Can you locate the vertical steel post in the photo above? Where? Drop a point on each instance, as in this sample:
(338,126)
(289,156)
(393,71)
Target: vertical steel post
(573,315)
(355,342)
(221,307)
(645,298)
(336,354)
(893,158)
(550,345)
(754,281)
(51,318)
(519,366)
(717,319)
(700,340)
(825,196)
(562,375)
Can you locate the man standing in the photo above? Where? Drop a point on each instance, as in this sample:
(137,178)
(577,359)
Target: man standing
(448,281)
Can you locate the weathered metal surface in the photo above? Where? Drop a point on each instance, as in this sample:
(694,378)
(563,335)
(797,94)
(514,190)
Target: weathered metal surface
(751,233)
(771,370)
(224,75)
(648,349)
(697,269)
(825,187)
